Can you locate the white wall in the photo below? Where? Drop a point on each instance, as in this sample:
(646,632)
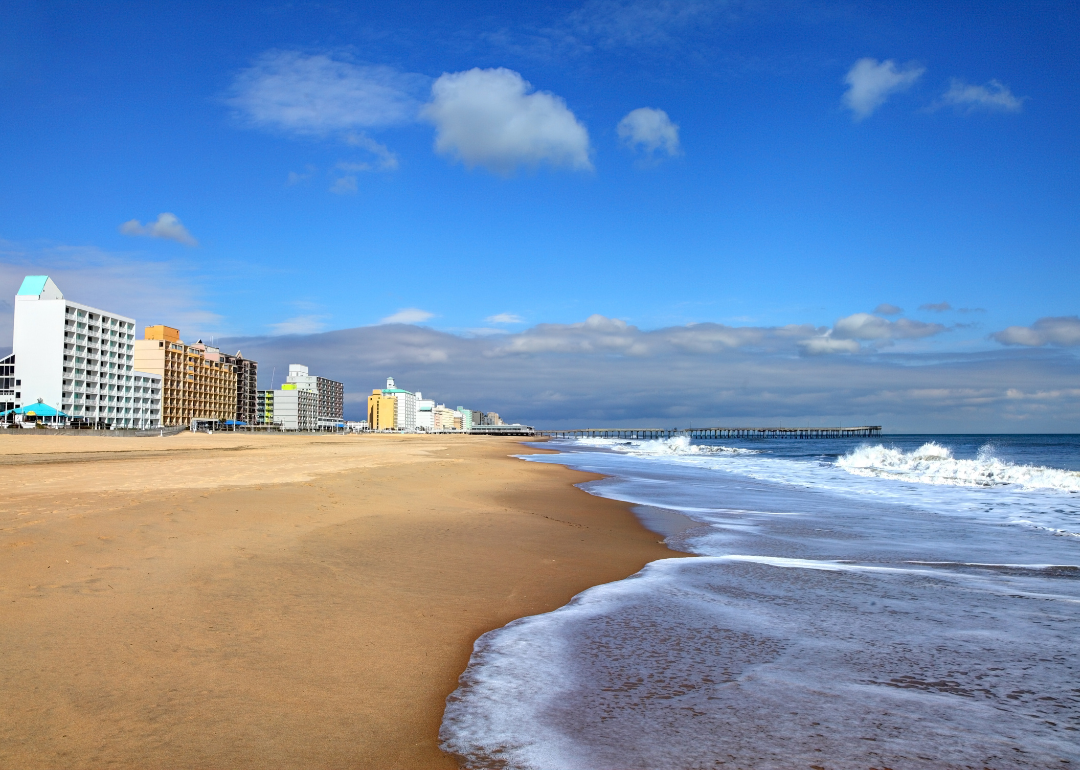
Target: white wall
(425,417)
(296,409)
(51,358)
(38,345)
(405,414)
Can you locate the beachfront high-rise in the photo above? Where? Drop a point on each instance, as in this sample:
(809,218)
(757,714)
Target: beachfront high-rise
(405,413)
(247,387)
(196,382)
(425,415)
(330,395)
(79,359)
(296,407)
(382,411)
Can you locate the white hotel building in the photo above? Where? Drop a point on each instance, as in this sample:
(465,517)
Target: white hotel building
(78,359)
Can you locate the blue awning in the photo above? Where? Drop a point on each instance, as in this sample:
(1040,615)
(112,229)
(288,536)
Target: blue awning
(36,410)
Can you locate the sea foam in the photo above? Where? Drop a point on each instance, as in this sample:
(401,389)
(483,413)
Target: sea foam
(934,464)
(665,447)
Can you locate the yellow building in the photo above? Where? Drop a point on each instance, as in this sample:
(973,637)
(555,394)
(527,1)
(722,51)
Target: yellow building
(195,382)
(381,411)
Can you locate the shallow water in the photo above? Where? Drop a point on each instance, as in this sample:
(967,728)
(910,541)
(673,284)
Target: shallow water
(912,604)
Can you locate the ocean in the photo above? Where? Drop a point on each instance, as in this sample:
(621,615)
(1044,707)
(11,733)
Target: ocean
(902,602)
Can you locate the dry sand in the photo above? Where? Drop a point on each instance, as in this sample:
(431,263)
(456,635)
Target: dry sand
(238,601)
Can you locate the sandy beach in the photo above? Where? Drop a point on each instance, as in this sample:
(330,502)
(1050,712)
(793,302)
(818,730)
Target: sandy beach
(272,601)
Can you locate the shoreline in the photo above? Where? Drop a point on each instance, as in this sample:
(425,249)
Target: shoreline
(308,602)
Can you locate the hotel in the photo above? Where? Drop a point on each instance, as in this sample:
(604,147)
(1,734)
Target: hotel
(196,382)
(77,359)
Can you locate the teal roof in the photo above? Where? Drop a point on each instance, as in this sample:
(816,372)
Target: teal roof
(33,285)
(40,410)
(388,391)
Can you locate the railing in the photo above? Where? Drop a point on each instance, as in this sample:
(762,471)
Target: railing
(862,431)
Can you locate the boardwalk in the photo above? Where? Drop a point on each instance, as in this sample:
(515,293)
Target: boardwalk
(862,431)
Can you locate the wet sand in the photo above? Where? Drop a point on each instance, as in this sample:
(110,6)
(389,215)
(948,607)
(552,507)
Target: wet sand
(272,601)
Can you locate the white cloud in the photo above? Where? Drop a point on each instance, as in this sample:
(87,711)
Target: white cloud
(886,308)
(505,318)
(1063,331)
(167,226)
(489,118)
(318,95)
(871,82)
(295,177)
(828,345)
(409,315)
(849,332)
(301,324)
(571,386)
(344,185)
(994,96)
(613,336)
(650,130)
(150,291)
(863,326)
(382,160)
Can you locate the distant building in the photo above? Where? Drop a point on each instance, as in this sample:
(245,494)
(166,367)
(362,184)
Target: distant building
(197,382)
(466,418)
(75,358)
(382,411)
(296,408)
(492,418)
(425,418)
(10,385)
(444,419)
(331,395)
(405,414)
(247,378)
(264,407)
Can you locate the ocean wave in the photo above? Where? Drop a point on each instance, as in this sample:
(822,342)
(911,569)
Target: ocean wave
(665,447)
(934,464)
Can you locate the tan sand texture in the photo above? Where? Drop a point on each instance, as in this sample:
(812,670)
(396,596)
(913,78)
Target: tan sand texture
(238,601)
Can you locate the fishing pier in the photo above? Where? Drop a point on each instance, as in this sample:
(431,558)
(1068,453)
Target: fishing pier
(862,431)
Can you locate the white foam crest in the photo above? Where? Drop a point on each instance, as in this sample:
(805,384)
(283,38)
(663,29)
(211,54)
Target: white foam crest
(663,447)
(681,445)
(934,464)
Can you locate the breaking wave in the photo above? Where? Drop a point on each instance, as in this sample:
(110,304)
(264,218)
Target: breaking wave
(934,464)
(666,447)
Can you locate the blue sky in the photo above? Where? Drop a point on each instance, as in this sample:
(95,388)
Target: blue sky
(506,171)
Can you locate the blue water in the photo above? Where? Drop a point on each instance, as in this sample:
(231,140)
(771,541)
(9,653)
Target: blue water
(908,602)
